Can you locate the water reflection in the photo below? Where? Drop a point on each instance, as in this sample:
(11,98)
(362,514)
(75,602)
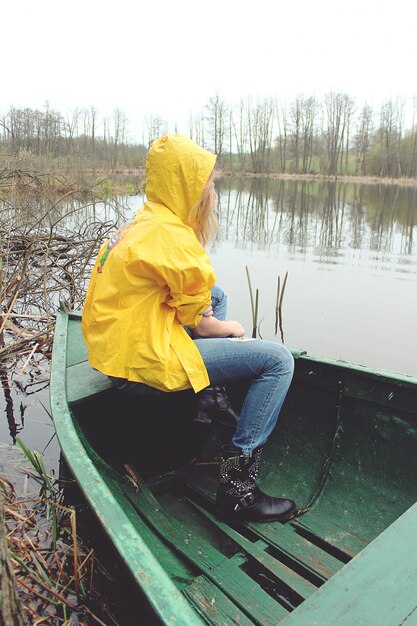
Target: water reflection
(14,426)
(327,218)
(41,213)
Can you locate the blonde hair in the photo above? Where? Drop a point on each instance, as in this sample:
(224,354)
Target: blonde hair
(202,217)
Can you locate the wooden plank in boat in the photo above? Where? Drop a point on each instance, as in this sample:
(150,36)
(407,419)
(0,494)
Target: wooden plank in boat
(285,539)
(225,572)
(83,381)
(296,584)
(76,348)
(282,537)
(213,605)
(378,586)
(328,532)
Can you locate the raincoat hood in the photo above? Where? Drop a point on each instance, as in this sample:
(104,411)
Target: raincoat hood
(177,170)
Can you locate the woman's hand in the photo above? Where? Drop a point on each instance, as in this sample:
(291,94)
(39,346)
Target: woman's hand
(236,329)
(212,327)
(208,312)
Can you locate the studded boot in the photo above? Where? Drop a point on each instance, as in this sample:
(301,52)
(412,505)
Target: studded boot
(213,404)
(238,496)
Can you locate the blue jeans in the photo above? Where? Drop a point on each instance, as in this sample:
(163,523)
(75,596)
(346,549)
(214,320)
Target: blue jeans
(219,303)
(267,366)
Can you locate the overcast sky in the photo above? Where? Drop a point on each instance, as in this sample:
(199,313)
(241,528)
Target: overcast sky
(167,58)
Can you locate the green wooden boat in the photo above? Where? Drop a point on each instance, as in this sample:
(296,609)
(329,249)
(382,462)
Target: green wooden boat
(345,448)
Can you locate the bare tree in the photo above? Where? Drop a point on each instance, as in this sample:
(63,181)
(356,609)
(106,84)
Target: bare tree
(308,127)
(156,127)
(281,141)
(259,135)
(389,135)
(240,132)
(93,118)
(301,126)
(412,160)
(363,139)
(119,135)
(217,119)
(72,129)
(260,118)
(295,120)
(338,111)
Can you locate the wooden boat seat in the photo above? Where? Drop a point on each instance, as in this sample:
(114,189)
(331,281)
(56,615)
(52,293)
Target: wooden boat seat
(83,381)
(377,587)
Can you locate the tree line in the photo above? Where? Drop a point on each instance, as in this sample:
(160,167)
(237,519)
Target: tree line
(332,136)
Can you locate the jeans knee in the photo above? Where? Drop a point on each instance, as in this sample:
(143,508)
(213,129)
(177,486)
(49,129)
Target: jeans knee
(280,358)
(288,358)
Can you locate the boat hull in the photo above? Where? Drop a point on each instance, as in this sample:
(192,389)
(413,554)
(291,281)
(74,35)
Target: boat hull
(344,448)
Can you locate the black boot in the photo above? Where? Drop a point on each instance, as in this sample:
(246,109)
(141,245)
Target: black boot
(213,404)
(239,499)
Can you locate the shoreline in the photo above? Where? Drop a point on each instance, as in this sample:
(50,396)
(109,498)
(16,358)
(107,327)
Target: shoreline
(364,180)
(225,173)
(105,183)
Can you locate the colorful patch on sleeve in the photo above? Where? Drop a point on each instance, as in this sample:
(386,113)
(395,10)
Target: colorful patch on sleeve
(113,241)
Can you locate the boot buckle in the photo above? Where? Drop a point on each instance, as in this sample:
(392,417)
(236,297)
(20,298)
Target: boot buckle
(246,500)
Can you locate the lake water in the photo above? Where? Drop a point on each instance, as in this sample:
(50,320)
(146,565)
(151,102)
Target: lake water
(351,256)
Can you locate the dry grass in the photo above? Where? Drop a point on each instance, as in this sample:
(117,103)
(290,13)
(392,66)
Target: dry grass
(54,573)
(46,261)
(47,252)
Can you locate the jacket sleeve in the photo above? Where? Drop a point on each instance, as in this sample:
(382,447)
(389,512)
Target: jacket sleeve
(189,277)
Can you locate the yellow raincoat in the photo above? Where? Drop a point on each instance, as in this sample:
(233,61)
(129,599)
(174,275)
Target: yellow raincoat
(153,278)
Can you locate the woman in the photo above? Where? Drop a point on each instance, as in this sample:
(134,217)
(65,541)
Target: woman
(151,289)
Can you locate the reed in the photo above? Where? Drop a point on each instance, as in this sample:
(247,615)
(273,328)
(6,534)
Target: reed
(53,570)
(254,305)
(254,300)
(278,305)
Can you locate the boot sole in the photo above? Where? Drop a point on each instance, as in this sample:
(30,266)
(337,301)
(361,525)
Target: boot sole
(222,517)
